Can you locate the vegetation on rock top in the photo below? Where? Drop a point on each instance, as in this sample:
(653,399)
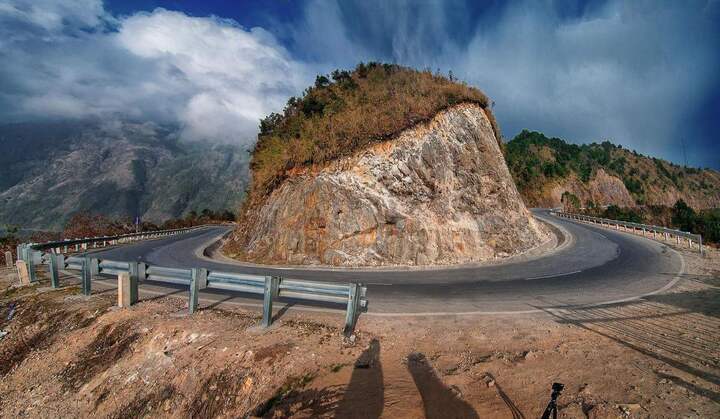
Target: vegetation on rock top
(346,111)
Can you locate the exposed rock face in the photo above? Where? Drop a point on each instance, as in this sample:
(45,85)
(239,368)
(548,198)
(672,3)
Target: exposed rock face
(440,193)
(603,189)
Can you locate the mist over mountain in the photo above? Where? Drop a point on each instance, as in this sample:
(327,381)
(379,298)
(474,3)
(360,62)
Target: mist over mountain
(51,170)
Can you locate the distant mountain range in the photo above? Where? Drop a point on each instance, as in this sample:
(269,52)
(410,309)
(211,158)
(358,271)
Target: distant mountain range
(546,169)
(48,171)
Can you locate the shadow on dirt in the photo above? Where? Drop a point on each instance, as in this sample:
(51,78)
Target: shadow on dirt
(680,329)
(439,401)
(364,396)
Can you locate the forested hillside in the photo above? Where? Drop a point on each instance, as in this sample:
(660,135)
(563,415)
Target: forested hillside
(548,171)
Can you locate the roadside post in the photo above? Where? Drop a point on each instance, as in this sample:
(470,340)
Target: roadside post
(22,271)
(194,290)
(54,271)
(133,268)
(8,259)
(85,276)
(271,290)
(352,308)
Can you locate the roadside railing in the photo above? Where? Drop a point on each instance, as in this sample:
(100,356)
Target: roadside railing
(643,229)
(38,253)
(352,295)
(81,244)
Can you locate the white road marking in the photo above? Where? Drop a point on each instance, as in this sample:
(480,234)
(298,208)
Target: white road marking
(553,276)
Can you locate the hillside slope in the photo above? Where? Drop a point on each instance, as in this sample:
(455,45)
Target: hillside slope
(603,174)
(48,171)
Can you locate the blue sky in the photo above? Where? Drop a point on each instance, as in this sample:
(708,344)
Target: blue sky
(642,73)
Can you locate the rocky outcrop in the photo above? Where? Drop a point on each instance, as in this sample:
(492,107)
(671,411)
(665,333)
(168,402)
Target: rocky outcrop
(603,189)
(439,193)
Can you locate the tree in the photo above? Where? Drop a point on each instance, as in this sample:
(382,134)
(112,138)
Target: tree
(683,216)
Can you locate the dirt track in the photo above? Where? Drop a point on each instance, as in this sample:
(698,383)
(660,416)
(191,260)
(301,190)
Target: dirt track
(67,355)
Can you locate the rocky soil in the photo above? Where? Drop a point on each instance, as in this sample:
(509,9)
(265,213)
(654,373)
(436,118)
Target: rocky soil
(68,356)
(440,193)
(603,189)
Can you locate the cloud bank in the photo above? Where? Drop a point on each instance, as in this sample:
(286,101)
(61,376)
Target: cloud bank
(637,73)
(633,72)
(211,76)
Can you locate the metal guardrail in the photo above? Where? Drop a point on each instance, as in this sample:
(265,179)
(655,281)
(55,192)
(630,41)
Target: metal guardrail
(666,233)
(64,246)
(38,253)
(353,295)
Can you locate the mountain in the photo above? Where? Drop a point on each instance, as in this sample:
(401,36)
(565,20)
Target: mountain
(408,171)
(50,170)
(548,171)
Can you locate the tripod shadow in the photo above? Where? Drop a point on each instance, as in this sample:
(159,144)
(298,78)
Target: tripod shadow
(439,401)
(516,413)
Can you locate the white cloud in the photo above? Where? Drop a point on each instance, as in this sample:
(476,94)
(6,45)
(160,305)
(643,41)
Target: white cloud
(631,72)
(213,77)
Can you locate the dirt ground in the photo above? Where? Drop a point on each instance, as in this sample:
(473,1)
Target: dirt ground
(66,355)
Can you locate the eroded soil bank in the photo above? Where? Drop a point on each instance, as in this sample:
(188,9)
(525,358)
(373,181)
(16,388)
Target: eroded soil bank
(68,356)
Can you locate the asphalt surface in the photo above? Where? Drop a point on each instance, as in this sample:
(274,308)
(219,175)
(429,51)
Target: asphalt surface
(595,266)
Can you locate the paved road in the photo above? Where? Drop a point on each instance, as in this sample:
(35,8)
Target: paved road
(596,265)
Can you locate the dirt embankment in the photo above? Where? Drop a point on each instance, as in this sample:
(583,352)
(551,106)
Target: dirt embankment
(66,355)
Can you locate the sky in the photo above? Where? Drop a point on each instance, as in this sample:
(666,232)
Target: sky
(643,74)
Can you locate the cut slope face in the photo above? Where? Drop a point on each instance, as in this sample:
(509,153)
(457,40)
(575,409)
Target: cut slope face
(439,193)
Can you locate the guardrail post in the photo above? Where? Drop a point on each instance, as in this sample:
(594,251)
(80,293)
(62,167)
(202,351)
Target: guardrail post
(125,295)
(133,275)
(194,283)
(30,260)
(271,290)
(352,309)
(86,277)
(54,271)
(8,259)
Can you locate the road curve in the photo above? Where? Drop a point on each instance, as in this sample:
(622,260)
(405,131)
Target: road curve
(597,266)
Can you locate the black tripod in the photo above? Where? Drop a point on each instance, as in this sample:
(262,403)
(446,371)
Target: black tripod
(557,388)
